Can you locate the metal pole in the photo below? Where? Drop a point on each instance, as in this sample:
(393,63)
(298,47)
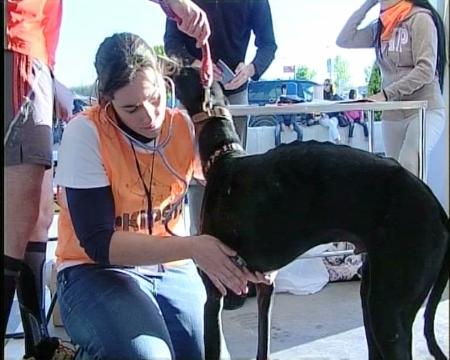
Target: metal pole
(422,146)
(370,118)
(328,253)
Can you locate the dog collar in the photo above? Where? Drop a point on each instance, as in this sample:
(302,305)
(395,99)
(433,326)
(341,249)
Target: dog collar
(219,152)
(216,111)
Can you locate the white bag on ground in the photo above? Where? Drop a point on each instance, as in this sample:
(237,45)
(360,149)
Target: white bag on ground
(303,276)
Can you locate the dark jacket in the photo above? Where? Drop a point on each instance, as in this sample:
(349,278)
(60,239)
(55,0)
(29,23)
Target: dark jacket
(231,25)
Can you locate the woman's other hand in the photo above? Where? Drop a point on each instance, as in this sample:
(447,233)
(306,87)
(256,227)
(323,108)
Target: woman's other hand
(213,258)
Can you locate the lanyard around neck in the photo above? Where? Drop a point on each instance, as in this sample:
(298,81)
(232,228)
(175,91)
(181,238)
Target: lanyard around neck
(148,191)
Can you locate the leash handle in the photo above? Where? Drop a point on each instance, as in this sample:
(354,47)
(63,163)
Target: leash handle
(206,68)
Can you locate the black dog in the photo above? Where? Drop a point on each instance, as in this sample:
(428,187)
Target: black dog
(387,212)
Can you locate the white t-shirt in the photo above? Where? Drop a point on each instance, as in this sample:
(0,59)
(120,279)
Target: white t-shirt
(79,161)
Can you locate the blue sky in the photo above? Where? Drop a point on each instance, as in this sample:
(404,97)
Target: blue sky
(305,32)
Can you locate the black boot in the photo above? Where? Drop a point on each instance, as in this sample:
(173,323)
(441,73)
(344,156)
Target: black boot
(31,294)
(10,273)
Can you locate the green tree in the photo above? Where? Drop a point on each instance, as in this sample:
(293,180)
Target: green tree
(342,73)
(374,86)
(367,73)
(159,50)
(304,72)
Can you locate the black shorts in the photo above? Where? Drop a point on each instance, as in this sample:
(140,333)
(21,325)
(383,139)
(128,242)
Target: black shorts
(28,133)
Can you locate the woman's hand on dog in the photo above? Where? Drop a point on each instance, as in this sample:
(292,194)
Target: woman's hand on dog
(213,257)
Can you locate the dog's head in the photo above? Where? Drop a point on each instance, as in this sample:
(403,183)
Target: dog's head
(190,92)
(214,138)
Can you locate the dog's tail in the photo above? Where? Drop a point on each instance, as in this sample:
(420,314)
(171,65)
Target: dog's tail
(432,303)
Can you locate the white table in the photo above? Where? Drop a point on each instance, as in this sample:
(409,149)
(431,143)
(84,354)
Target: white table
(338,106)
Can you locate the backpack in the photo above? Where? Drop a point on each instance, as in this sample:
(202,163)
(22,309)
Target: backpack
(342,120)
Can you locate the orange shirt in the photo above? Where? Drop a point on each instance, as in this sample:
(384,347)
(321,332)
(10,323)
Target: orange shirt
(130,200)
(32,28)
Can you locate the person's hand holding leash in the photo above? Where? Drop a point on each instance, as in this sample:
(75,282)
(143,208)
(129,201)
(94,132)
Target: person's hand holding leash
(193,20)
(213,257)
(243,73)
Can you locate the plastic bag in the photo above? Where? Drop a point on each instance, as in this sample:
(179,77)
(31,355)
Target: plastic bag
(303,276)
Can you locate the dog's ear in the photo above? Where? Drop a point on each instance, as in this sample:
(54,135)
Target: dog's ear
(217,94)
(188,89)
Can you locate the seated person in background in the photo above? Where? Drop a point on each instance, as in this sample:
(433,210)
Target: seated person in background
(328,91)
(287,120)
(355,116)
(330,122)
(328,94)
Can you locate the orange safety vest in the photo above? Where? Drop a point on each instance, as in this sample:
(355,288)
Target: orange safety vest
(32,28)
(130,200)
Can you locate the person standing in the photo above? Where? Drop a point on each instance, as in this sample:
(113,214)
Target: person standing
(409,42)
(31,37)
(231,26)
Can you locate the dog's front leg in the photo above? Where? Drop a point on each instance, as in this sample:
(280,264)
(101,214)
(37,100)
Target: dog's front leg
(213,323)
(264,295)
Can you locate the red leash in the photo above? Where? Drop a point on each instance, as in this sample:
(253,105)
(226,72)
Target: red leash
(206,68)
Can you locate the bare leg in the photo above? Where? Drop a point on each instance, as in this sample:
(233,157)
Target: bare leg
(22,197)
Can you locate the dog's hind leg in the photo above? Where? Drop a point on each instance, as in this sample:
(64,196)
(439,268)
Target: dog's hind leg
(213,323)
(373,351)
(391,335)
(264,295)
(392,301)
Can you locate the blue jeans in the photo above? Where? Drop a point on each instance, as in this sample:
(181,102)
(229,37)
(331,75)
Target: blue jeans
(287,120)
(116,313)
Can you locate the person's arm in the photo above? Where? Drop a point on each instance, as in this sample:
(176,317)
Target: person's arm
(92,214)
(262,26)
(424,53)
(352,37)
(175,43)
(192,20)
